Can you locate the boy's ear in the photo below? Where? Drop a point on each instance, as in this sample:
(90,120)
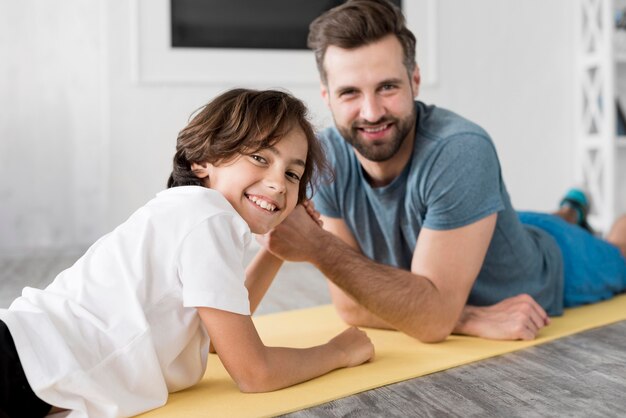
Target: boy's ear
(200,170)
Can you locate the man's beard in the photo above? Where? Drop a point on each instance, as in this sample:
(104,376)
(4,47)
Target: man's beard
(372,150)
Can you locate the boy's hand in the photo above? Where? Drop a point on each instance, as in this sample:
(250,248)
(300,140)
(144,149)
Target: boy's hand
(355,345)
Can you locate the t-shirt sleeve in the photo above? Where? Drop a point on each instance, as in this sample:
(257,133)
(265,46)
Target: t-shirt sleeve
(463,184)
(326,198)
(211,265)
(325,201)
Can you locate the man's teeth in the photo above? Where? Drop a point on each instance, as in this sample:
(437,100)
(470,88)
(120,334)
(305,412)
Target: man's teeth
(374,130)
(262,203)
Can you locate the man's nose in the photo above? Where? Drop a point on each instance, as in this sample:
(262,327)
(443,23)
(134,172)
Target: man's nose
(372,109)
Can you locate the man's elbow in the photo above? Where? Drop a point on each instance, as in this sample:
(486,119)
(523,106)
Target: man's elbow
(356,315)
(353,315)
(432,337)
(431,334)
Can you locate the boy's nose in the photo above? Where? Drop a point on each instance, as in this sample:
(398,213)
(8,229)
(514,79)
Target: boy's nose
(276,181)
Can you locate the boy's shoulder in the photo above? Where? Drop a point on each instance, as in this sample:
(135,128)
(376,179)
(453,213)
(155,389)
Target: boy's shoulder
(191,195)
(190,204)
(179,210)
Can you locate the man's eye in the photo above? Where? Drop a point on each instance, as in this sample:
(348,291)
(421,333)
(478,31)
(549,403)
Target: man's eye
(347,93)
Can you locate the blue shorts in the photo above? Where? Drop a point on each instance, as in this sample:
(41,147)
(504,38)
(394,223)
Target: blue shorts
(594,269)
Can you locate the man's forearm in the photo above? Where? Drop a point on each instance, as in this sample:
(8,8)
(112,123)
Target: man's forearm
(353,313)
(401,299)
(408,302)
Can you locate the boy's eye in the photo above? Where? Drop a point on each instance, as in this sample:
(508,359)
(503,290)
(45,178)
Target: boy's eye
(258,158)
(293,176)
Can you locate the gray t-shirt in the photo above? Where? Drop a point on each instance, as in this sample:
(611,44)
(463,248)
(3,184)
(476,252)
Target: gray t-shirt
(452,180)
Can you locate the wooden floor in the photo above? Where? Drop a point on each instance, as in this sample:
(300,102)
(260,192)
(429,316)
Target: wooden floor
(579,376)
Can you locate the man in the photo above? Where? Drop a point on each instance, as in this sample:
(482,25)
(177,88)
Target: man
(419,233)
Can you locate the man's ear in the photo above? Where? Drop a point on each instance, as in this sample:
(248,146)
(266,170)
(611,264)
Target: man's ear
(200,170)
(324,93)
(416,80)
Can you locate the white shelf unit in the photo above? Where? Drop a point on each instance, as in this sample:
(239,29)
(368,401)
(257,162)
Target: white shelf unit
(600,80)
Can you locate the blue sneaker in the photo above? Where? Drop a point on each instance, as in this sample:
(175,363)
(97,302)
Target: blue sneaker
(577,200)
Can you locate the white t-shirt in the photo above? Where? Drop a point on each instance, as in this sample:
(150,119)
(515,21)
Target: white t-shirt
(117,331)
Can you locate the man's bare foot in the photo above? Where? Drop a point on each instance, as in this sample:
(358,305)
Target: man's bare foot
(617,234)
(569,214)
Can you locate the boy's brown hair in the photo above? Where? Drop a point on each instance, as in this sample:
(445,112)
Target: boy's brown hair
(243,121)
(357,23)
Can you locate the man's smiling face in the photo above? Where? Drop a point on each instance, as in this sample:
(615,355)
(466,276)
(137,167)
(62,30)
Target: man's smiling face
(370,95)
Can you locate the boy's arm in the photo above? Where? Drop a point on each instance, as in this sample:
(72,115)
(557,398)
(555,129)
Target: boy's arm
(260,274)
(263,268)
(257,368)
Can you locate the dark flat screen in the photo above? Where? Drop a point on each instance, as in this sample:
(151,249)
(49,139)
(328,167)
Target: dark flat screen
(268,24)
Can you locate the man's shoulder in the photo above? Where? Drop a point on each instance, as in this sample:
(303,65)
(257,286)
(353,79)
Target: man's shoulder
(334,144)
(330,135)
(440,124)
(446,140)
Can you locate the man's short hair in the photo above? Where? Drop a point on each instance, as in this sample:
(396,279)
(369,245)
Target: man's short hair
(357,23)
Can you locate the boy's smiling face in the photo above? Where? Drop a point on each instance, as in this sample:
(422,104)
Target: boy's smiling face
(262,187)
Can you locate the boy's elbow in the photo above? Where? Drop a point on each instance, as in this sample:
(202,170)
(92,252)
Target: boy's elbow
(248,387)
(255,381)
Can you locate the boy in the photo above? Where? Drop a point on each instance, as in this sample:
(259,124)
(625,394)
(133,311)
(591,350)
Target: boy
(131,320)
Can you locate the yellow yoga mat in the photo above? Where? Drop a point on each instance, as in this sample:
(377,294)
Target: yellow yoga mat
(398,358)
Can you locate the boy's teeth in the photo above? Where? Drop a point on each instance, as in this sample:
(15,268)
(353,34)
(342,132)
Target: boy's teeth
(262,203)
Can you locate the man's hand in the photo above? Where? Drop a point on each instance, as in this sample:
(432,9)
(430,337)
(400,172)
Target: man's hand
(295,238)
(516,318)
(313,213)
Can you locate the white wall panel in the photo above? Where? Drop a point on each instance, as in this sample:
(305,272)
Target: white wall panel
(85,140)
